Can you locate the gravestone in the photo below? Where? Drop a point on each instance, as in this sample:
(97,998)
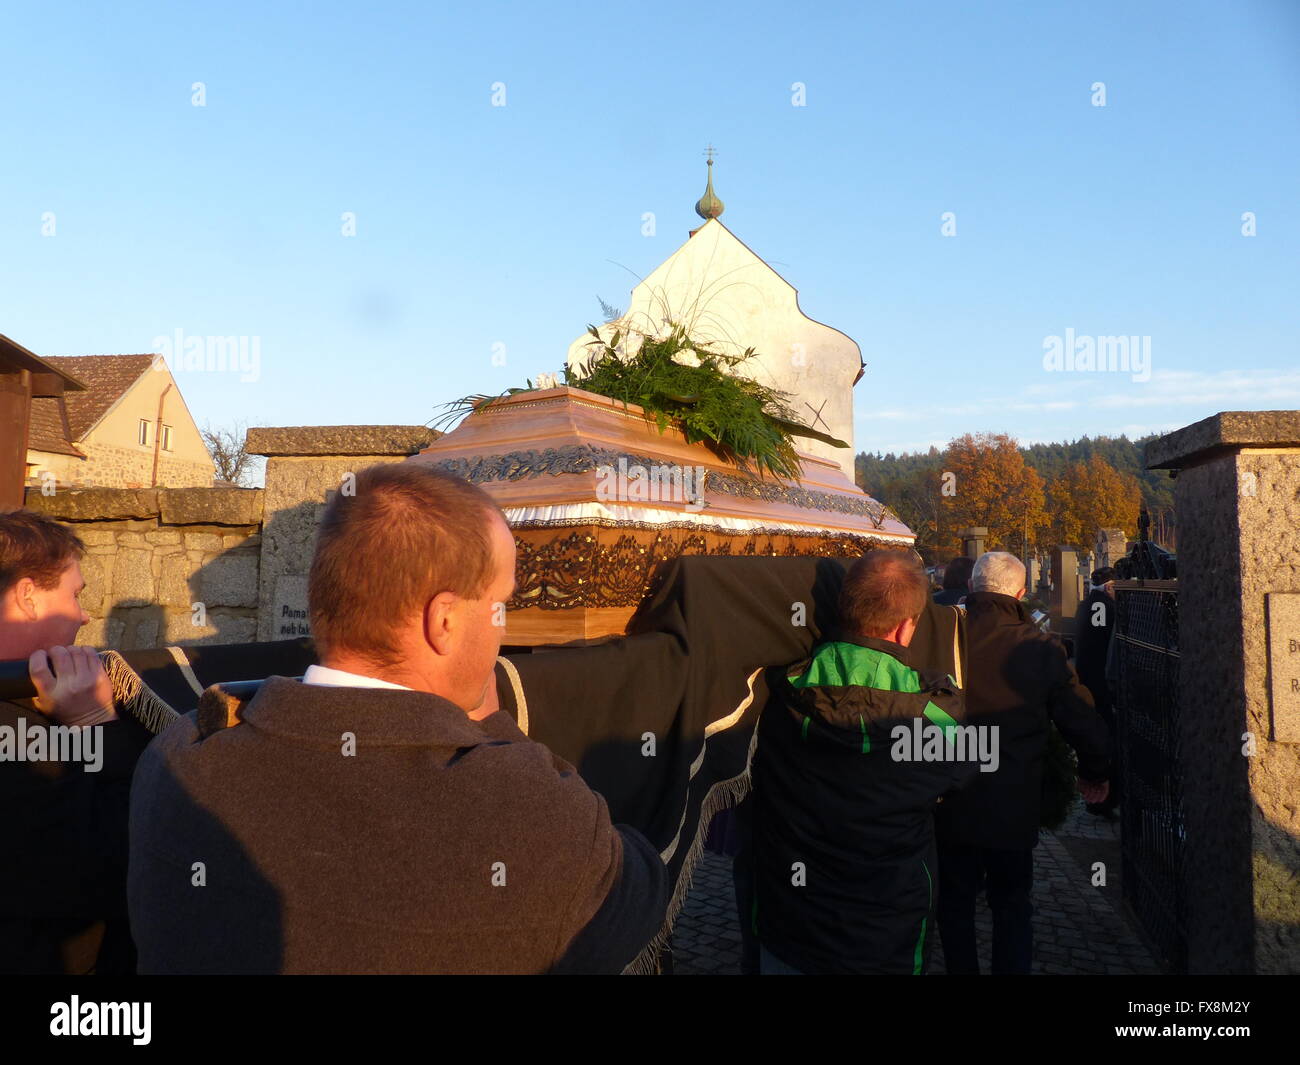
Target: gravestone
(1043,588)
(1066,590)
(972,541)
(1111,547)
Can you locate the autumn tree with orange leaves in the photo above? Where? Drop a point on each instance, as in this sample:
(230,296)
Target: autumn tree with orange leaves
(986,482)
(1091,496)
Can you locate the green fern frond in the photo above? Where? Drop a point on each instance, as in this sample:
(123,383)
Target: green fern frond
(743,421)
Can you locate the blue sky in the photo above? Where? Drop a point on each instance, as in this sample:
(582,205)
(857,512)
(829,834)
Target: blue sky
(479,226)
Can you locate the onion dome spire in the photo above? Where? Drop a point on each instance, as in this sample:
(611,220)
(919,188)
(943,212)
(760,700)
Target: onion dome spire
(709,206)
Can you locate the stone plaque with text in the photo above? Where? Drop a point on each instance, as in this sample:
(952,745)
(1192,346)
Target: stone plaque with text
(289,609)
(1284,664)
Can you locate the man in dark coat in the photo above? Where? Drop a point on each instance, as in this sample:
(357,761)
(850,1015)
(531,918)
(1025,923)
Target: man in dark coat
(844,797)
(65,769)
(1093,623)
(380,815)
(956,581)
(1019,679)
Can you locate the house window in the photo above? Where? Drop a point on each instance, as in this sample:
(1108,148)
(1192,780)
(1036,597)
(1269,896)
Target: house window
(166,437)
(144,432)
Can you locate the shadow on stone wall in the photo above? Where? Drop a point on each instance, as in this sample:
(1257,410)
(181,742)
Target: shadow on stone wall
(215,603)
(288,542)
(1277,897)
(131,625)
(223,598)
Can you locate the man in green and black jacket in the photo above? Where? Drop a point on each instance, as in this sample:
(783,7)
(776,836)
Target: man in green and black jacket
(855,747)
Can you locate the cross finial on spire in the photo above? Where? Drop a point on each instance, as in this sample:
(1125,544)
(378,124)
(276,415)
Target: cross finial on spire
(710,152)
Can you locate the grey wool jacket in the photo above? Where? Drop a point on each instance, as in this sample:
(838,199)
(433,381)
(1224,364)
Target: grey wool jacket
(361,830)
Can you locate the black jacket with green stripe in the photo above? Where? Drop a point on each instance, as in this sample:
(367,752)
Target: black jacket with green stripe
(844,800)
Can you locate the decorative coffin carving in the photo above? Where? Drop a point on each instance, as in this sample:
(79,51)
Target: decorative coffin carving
(597,497)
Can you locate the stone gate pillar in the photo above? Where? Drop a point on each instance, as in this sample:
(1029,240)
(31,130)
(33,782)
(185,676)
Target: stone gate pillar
(1237,501)
(305,466)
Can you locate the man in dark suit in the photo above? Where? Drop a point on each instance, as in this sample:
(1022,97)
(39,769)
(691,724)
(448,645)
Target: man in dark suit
(65,769)
(380,815)
(1018,679)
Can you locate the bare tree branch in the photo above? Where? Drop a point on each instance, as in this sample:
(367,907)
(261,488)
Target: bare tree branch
(229,454)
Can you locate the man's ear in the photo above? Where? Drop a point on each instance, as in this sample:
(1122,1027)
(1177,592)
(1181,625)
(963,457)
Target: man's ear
(24,598)
(441,622)
(906,630)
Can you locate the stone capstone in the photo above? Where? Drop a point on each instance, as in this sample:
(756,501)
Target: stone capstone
(210,506)
(376,440)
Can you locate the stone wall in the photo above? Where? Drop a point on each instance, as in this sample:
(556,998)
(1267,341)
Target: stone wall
(114,466)
(195,565)
(164,566)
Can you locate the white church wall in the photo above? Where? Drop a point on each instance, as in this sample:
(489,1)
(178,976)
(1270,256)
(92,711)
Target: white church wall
(727,297)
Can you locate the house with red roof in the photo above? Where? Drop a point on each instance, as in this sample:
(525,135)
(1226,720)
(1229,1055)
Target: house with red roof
(128,427)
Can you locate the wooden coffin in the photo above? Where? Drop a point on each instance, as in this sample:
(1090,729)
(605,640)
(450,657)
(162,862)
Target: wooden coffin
(597,497)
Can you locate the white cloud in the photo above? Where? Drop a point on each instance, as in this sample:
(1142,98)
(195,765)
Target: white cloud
(1220,390)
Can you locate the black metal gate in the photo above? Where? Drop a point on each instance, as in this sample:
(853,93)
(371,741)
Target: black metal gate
(1143,675)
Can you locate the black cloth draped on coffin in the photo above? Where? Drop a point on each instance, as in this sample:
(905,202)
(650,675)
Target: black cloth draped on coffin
(694,662)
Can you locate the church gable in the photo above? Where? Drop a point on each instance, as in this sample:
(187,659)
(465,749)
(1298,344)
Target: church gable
(726,296)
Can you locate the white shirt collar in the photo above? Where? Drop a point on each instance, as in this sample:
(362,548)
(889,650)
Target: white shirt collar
(338,678)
